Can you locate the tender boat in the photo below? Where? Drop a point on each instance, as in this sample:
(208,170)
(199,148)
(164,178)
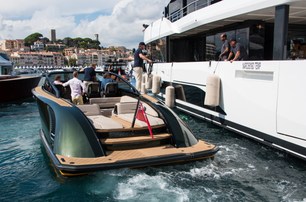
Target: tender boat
(262,98)
(14,88)
(106,132)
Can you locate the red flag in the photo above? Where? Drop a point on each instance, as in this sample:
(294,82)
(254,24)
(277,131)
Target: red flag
(142,116)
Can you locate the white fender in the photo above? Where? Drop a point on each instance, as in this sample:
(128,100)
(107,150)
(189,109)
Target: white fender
(170,96)
(143,88)
(212,97)
(156,84)
(149,79)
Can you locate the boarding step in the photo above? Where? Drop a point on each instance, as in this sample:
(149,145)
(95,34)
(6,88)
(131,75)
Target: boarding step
(133,142)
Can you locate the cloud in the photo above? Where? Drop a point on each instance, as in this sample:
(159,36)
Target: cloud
(118,22)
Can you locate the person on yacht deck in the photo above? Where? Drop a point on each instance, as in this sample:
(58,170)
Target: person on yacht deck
(225,49)
(77,89)
(139,57)
(237,52)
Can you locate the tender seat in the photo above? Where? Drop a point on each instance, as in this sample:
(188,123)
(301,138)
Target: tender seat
(125,107)
(128,105)
(93,90)
(111,89)
(103,122)
(105,102)
(90,109)
(154,121)
(93,113)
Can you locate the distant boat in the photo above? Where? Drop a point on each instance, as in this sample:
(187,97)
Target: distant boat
(14,88)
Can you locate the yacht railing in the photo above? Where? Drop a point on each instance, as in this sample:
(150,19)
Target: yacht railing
(191,7)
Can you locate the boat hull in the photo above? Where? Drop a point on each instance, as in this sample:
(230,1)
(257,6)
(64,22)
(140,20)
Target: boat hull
(17,88)
(70,166)
(259,99)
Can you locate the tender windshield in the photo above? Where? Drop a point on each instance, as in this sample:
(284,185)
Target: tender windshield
(123,81)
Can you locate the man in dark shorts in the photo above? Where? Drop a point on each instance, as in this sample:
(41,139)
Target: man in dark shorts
(138,64)
(238,52)
(89,75)
(225,49)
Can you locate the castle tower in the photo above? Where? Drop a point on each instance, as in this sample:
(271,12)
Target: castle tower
(97,37)
(53,35)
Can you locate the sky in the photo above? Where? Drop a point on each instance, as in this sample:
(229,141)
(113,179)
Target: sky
(118,22)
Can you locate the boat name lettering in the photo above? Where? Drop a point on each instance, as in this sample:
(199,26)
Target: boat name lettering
(251,65)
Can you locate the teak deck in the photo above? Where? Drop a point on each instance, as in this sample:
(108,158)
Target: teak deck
(134,154)
(127,126)
(135,139)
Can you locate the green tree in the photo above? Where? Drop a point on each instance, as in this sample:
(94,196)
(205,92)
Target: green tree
(29,40)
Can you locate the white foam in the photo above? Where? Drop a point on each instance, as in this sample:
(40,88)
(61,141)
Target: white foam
(143,186)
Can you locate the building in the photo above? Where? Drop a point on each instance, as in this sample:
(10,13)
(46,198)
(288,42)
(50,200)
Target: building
(37,59)
(55,47)
(69,51)
(12,45)
(38,46)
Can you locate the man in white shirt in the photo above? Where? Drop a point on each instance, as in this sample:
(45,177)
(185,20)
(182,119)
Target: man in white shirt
(77,89)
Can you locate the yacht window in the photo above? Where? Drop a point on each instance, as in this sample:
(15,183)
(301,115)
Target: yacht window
(157,49)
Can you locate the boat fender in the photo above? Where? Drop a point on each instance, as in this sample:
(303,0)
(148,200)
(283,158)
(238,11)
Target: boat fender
(149,78)
(212,97)
(170,96)
(143,88)
(156,84)
(179,93)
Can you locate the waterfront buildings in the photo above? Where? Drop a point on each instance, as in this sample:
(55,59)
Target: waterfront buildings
(12,45)
(37,59)
(54,54)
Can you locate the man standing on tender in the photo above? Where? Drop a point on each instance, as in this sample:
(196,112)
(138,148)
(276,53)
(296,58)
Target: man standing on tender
(77,89)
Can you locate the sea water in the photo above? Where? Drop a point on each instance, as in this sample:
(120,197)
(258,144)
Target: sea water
(243,170)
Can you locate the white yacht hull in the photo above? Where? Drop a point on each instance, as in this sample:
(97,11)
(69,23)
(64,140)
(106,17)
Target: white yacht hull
(264,100)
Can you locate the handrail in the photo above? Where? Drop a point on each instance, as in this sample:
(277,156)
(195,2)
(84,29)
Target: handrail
(191,7)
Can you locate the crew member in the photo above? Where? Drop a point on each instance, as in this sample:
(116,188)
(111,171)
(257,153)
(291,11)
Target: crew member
(225,49)
(138,64)
(238,52)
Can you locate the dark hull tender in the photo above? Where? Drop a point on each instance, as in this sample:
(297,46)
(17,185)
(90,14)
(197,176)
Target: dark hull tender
(104,133)
(14,88)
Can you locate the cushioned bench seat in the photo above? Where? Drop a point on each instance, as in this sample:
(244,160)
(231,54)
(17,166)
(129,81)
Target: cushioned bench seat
(105,102)
(93,113)
(90,109)
(128,105)
(103,122)
(154,121)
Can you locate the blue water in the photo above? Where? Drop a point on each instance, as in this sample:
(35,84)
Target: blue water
(242,170)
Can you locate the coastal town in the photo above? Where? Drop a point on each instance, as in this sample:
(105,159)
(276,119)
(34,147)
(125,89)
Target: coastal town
(56,53)
(132,100)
